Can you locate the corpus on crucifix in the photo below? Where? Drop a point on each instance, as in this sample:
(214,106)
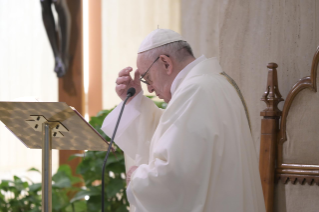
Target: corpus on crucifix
(59,34)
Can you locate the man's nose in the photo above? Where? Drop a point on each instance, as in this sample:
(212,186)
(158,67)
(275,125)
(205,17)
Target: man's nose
(150,88)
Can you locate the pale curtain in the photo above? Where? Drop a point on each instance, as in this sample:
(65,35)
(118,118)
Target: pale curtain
(26,68)
(124,25)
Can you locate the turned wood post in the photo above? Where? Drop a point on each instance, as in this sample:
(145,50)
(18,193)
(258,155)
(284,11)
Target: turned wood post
(268,137)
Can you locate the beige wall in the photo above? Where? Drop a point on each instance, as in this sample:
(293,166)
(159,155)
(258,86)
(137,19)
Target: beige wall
(248,34)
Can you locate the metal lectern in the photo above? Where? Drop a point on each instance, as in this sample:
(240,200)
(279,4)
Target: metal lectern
(47,126)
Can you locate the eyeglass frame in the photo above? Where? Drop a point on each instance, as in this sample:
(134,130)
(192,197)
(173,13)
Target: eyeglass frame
(143,75)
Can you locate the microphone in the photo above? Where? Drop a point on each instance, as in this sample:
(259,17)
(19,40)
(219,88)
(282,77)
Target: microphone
(130,92)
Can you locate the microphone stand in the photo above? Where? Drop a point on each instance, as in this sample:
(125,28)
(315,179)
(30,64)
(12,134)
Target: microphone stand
(130,93)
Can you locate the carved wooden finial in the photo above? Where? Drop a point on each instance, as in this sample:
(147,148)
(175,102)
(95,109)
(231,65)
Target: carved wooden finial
(272,66)
(272,96)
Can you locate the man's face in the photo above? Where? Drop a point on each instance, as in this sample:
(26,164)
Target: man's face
(158,77)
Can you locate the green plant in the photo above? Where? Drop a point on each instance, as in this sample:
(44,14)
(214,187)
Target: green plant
(19,195)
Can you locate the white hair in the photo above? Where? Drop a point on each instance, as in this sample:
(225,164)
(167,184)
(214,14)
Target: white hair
(179,50)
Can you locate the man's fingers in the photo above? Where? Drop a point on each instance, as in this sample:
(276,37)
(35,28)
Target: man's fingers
(120,88)
(123,80)
(129,173)
(125,71)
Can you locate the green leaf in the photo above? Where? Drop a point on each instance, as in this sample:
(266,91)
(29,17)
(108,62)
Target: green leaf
(35,209)
(114,187)
(34,169)
(5,183)
(25,184)
(104,112)
(94,204)
(122,208)
(19,185)
(117,168)
(62,183)
(114,159)
(17,179)
(35,187)
(75,180)
(64,171)
(96,121)
(59,200)
(1,195)
(149,96)
(81,194)
(162,105)
(79,206)
(61,180)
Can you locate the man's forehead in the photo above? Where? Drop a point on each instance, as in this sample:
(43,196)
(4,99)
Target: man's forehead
(139,66)
(138,58)
(141,62)
(140,71)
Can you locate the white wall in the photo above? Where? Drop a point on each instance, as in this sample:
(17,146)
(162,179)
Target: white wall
(26,69)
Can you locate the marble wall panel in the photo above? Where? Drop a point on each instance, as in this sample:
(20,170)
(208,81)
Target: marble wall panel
(248,34)
(200,26)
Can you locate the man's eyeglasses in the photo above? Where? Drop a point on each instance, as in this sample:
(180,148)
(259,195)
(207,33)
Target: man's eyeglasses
(142,79)
(143,75)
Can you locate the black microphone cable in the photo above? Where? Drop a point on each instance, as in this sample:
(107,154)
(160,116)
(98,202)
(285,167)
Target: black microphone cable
(130,93)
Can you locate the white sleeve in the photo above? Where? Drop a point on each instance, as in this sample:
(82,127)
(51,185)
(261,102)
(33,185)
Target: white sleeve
(139,120)
(129,114)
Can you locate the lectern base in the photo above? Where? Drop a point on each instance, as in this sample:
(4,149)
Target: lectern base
(46,167)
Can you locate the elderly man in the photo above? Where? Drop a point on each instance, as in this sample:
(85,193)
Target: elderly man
(197,155)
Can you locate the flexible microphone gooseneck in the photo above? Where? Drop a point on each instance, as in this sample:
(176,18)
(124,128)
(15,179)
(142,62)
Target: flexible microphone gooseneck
(130,93)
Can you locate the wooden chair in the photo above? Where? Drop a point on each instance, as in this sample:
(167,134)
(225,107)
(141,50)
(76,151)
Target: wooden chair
(272,167)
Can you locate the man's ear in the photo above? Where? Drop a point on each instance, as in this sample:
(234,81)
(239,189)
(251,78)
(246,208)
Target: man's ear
(168,64)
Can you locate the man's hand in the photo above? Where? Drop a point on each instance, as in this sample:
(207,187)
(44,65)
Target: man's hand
(125,81)
(129,173)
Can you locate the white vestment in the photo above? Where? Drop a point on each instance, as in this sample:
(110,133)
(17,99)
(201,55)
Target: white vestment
(197,155)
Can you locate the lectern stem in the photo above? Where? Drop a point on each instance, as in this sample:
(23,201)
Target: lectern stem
(46,168)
